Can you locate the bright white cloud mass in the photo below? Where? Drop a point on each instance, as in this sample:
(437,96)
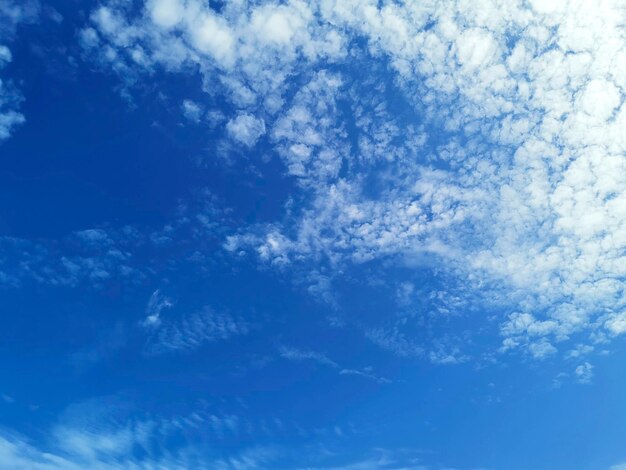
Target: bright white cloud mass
(523,191)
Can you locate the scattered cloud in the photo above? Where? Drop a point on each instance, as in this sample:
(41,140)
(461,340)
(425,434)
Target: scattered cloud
(395,341)
(246,129)
(294,354)
(192,111)
(157,303)
(579,351)
(87,257)
(366,372)
(584,373)
(248,52)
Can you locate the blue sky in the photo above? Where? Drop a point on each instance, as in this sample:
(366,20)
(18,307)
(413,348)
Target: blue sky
(312,235)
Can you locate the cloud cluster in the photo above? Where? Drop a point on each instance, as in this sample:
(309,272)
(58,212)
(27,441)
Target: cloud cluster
(533,198)
(514,179)
(94,257)
(248,52)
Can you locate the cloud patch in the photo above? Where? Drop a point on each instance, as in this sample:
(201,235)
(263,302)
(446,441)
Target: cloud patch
(514,181)
(246,129)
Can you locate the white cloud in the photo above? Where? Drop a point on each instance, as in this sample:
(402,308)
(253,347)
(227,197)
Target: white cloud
(366,373)
(599,99)
(157,303)
(95,237)
(541,349)
(246,129)
(9,118)
(166,13)
(396,342)
(5,55)
(310,141)
(211,35)
(255,47)
(584,373)
(278,24)
(192,111)
(475,48)
(579,351)
(294,354)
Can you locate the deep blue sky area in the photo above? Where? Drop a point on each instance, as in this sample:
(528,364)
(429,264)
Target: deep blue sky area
(312,235)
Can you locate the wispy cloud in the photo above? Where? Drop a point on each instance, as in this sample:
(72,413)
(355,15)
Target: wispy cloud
(366,372)
(90,436)
(584,373)
(294,354)
(157,303)
(381,458)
